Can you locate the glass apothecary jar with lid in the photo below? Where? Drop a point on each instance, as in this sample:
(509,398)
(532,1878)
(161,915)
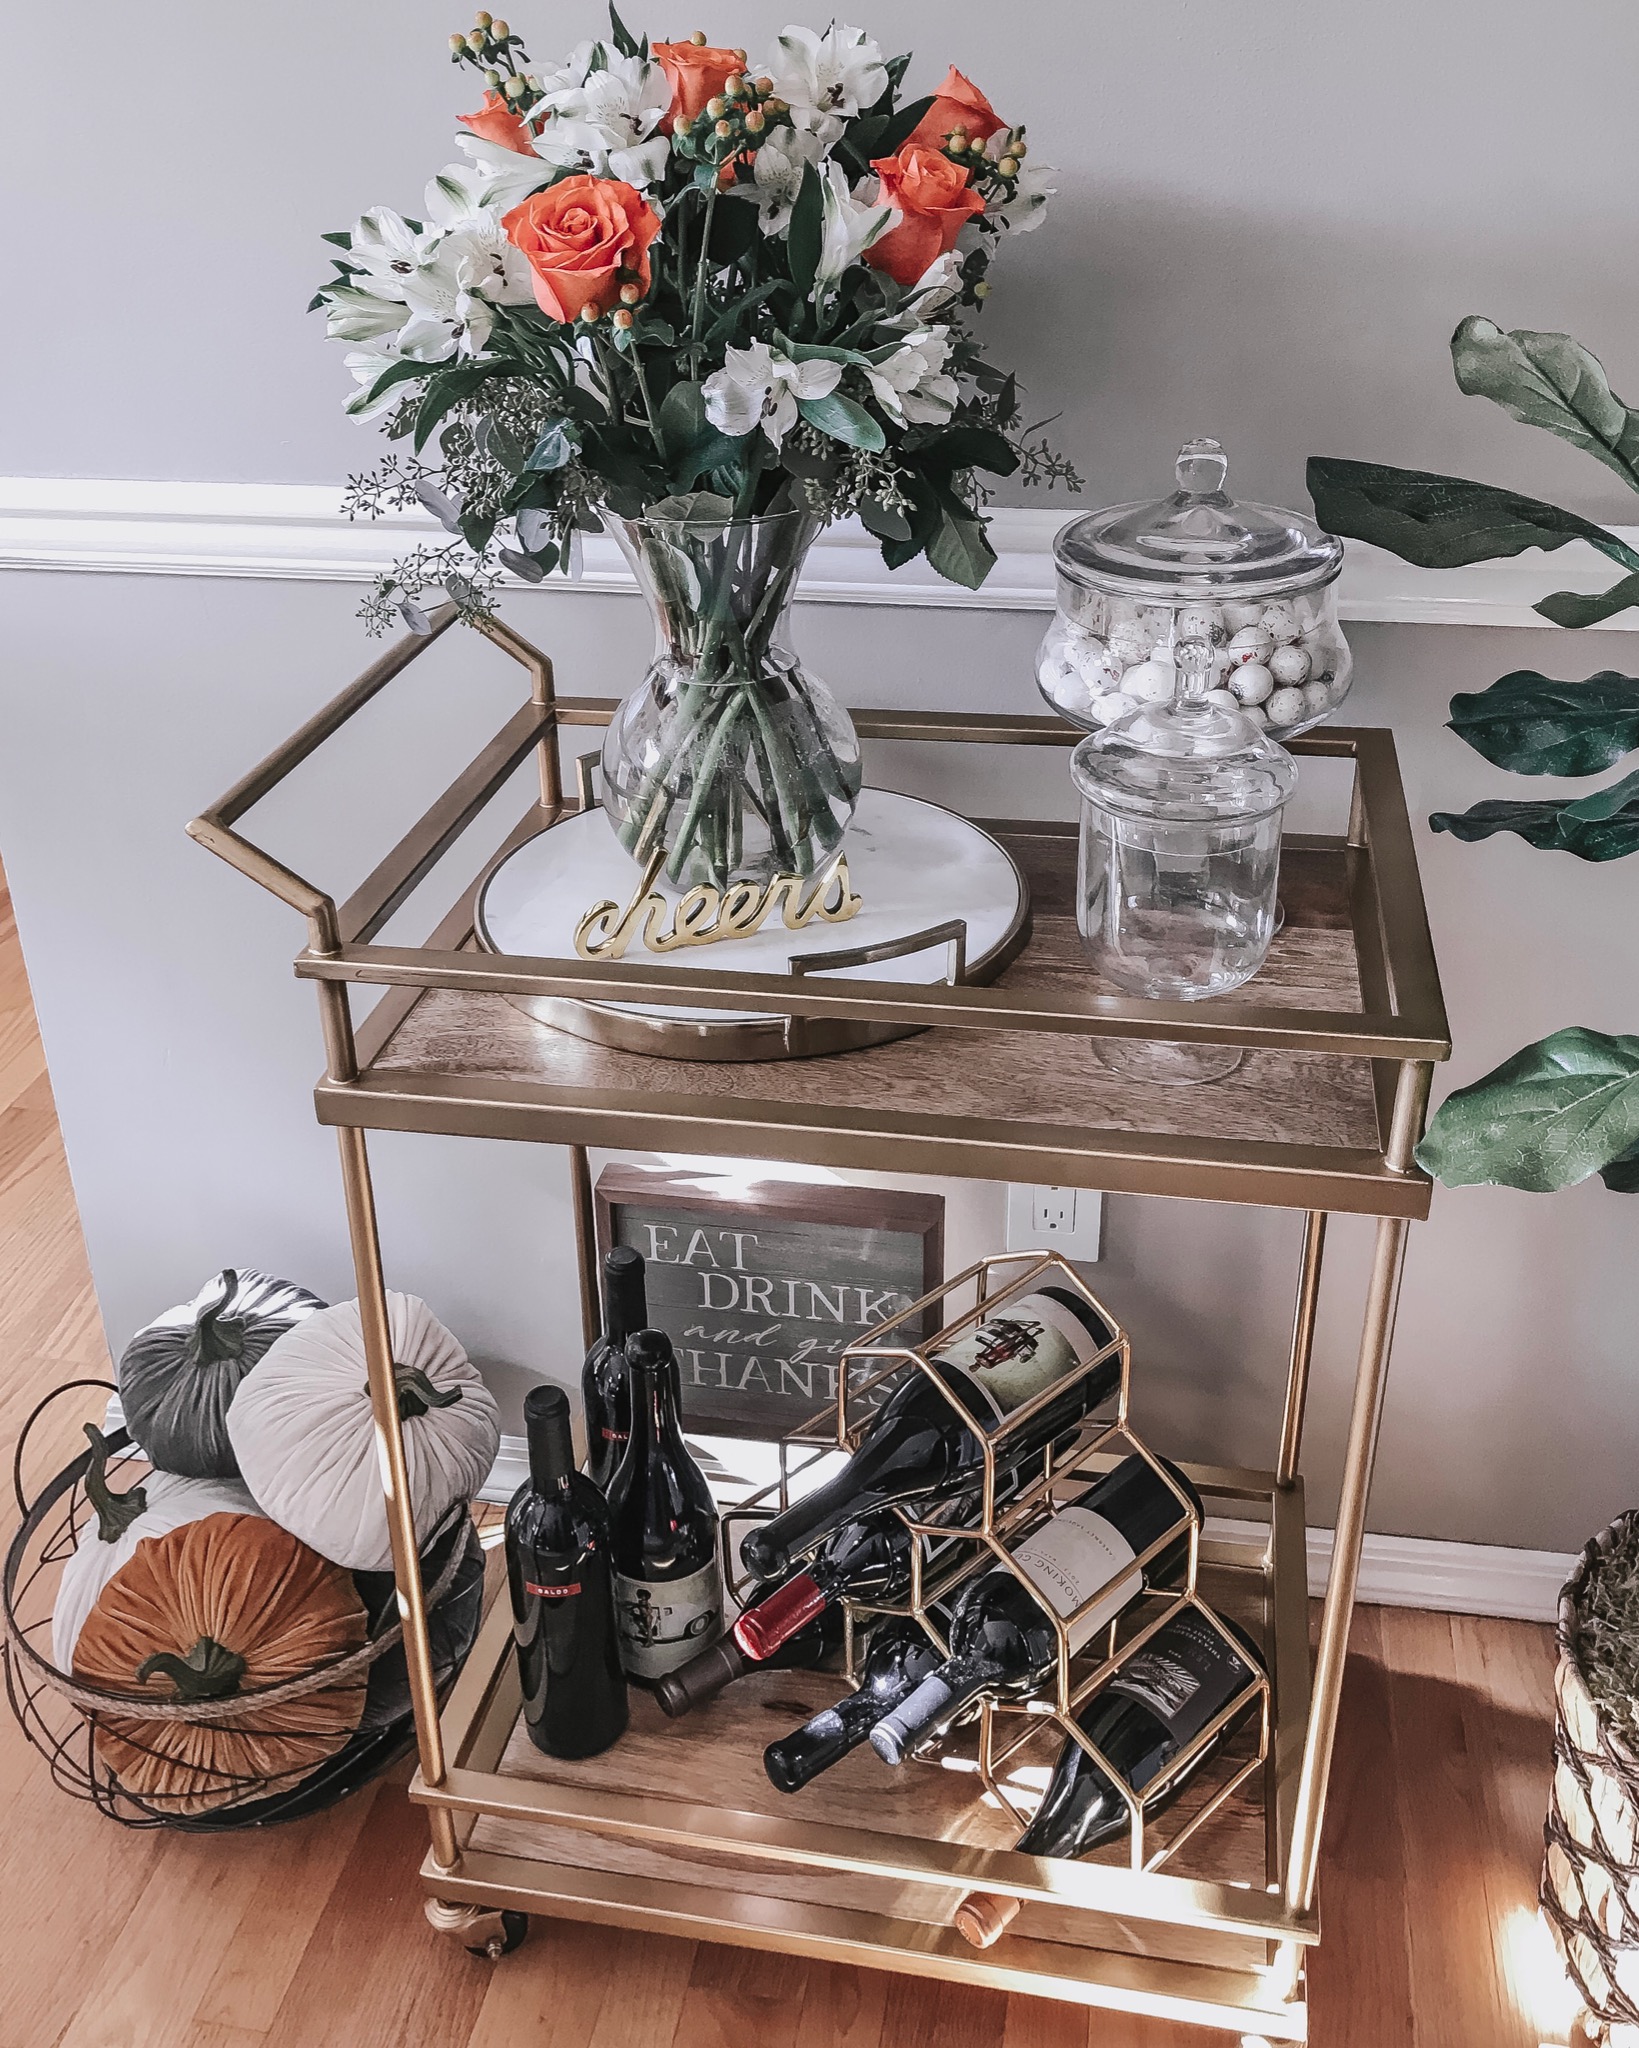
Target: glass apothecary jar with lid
(1257,583)
(1179,856)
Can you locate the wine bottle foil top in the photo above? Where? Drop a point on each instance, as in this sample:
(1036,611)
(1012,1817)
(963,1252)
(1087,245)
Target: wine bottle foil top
(897,1732)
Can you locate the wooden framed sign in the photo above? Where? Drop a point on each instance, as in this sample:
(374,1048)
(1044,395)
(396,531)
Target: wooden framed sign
(762,1290)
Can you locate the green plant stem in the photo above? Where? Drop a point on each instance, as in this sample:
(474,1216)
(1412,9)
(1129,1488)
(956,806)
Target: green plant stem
(699,309)
(648,402)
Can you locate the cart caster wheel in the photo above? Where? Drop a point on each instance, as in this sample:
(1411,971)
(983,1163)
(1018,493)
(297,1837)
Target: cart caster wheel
(481,1930)
(503,1939)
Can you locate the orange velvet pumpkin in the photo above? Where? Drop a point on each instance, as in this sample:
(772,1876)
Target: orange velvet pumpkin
(221,1606)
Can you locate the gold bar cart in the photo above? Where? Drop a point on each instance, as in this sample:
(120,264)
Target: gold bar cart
(1341,1030)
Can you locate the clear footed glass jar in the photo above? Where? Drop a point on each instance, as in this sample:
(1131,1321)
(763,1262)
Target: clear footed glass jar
(1180,853)
(730,755)
(1257,583)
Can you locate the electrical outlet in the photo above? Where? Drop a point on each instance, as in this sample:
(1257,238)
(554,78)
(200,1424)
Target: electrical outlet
(1067,1220)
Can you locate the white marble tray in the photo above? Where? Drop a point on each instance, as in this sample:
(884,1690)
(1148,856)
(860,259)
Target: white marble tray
(914,865)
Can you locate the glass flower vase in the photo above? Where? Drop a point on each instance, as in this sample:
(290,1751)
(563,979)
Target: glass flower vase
(729,755)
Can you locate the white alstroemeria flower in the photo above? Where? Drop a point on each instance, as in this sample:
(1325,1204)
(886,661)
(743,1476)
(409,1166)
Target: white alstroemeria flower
(366,366)
(465,273)
(759,384)
(911,384)
(602,113)
(777,176)
(467,235)
(505,177)
(1028,206)
(827,79)
(385,249)
(848,229)
(354,315)
(939,286)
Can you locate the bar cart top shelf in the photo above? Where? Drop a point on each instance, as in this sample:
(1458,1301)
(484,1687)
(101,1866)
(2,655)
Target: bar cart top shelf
(1339,1029)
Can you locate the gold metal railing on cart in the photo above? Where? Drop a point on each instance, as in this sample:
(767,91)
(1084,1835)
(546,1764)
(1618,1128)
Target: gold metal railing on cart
(1341,1032)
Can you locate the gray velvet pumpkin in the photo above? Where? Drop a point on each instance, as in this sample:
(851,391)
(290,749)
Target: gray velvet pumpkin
(178,1376)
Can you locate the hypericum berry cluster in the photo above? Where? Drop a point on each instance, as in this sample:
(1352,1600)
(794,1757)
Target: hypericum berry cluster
(733,123)
(490,46)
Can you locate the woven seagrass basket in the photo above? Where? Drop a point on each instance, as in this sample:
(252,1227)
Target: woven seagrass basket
(1590,1874)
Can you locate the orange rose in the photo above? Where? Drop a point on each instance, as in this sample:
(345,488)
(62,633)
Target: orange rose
(584,238)
(957,104)
(935,202)
(496,122)
(698,73)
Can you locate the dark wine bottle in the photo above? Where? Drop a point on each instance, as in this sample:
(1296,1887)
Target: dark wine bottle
(919,1447)
(605,1398)
(563,1601)
(703,1677)
(668,1579)
(1002,1640)
(897,1658)
(866,1560)
(1183,1678)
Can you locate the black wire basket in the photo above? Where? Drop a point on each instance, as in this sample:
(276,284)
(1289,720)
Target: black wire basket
(77,1726)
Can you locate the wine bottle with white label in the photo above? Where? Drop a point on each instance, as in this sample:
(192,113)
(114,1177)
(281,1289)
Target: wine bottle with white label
(898,1657)
(668,1578)
(563,1605)
(605,1396)
(921,1447)
(1002,1640)
(1157,1703)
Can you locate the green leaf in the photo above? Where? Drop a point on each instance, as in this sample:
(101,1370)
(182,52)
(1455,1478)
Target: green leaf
(1621,1176)
(1604,826)
(1531,725)
(1549,381)
(1574,608)
(552,450)
(1443,522)
(802,240)
(447,389)
(1545,1119)
(735,232)
(898,128)
(620,35)
(693,445)
(844,420)
(722,328)
(395,373)
(342,237)
(959,550)
(884,521)
(966,448)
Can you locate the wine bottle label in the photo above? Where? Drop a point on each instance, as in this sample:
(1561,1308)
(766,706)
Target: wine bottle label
(1013,1356)
(1186,1674)
(1073,1558)
(663,1622)
(564,1592)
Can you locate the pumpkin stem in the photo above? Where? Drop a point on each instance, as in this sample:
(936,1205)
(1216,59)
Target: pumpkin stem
(416,1393)
(213,1342)
(115,1512)
(210,1671)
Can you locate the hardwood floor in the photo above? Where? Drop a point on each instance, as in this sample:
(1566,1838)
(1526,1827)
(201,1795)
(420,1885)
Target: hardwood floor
(312,1934)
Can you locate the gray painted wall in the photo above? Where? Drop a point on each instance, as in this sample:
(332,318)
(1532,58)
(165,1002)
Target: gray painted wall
(1271,217)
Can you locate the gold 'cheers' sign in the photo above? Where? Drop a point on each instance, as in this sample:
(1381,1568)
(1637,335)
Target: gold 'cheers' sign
(705,914)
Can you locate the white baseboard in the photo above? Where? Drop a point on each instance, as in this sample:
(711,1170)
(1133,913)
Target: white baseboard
(1395,1571)
(90,525)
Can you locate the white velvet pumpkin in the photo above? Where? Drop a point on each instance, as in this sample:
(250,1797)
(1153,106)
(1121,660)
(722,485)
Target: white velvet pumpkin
(304,1435)
(171,1501)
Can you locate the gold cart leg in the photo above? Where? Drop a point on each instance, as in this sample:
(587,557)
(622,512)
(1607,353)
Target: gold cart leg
(378,1354)
(1303,1344)
(1375,1338)
(586,1245)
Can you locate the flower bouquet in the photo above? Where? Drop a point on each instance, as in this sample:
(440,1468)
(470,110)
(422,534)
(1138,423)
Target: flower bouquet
(709,306)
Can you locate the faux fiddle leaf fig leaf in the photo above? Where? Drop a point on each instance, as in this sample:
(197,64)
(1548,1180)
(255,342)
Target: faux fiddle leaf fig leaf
(1584,608)
(1549,381)
(1532,725)
(1600,827)
(1556,1112)
(1444,522)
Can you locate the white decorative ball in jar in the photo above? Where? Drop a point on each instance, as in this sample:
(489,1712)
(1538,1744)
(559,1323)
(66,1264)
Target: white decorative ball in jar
(1255,584)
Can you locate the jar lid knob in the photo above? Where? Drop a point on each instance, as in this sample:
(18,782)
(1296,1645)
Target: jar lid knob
(1201,468)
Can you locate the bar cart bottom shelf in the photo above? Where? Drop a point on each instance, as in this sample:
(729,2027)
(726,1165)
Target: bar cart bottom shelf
(677,1829)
